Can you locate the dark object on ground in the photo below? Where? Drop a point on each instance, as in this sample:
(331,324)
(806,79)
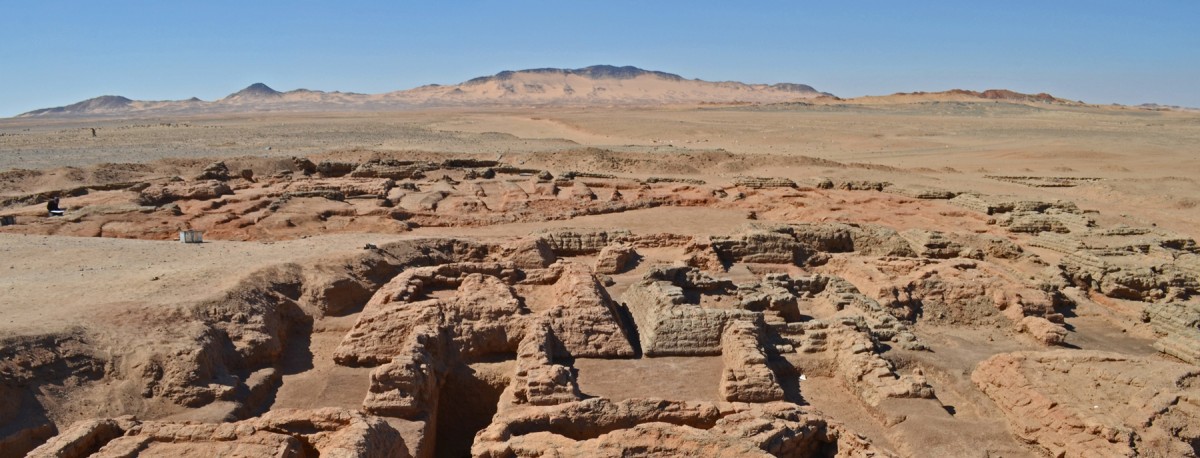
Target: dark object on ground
(52,207)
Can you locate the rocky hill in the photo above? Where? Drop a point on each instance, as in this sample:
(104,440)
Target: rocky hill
(256,91)
(97,105)
(963,95)
(599,85)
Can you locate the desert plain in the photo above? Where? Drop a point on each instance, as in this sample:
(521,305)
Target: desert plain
(917,275)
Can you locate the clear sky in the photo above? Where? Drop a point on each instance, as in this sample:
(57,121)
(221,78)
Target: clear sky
(59,52)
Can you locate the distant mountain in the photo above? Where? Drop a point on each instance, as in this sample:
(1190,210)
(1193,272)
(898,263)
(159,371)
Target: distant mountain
(962,95)
(256,91)
(599,85)
(1161,107)
(593,72)
(99,105)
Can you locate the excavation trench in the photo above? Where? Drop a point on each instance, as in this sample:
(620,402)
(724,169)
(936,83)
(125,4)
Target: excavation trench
(466,405)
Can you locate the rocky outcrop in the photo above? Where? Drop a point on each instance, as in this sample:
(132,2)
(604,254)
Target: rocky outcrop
(485,317)
(189,372)
(575,242)
(482,317)
(349,187)
(329,432)
(584,319)
(1128,263)
(669,324)
(538,381)
(761,246)
(414,284)
(600,427)
(243,330)
(214,171)
(334,168)
(430,201)
(863,239)
(845,350)
(84,438)
(256,314)
(920,192)
(345,284)
(700,254)
(763,182)
(875,381)
(400,192)
(162,194)
(383,332)
(863,185)
(1179,326)
(776,296)
(784,299)
(746,377)
(543,188)
(462,205)
(395,170)
(1145,283)
(1088,403)
(615,258)
(1043,330)
(797,243)
(1051,221)
(220,354)
(26,359)
(955,291)
(512,196)
(992,205)
(616,196)
(933,244)
(982,246)
(408,385)
(528,253)
(581,191)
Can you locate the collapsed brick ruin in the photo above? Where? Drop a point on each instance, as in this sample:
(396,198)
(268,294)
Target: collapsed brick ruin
(489,330)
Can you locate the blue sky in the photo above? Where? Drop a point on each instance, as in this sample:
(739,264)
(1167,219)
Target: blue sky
(58,52)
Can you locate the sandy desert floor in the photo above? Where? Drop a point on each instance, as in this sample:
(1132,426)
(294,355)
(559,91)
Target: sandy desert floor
(929,279)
